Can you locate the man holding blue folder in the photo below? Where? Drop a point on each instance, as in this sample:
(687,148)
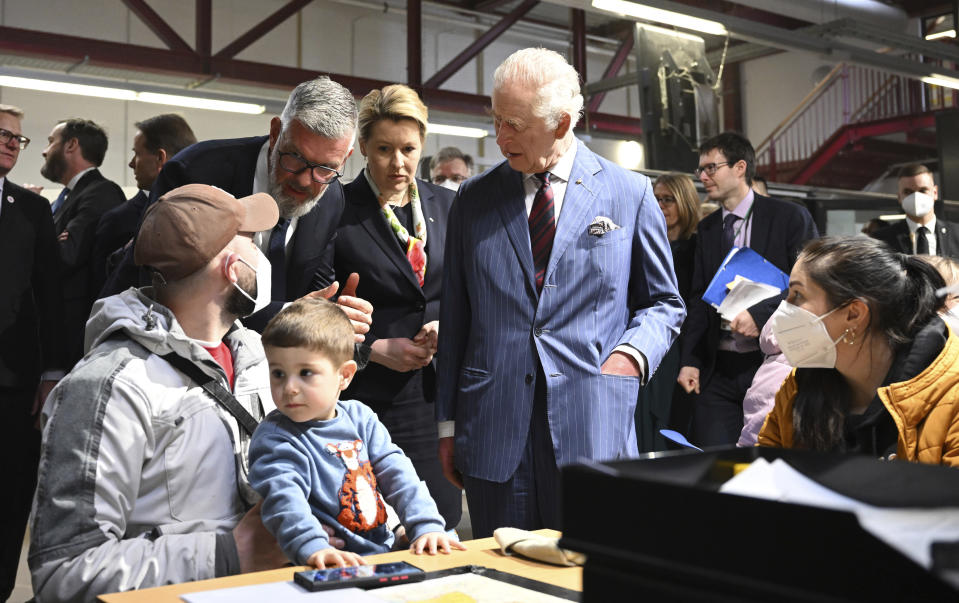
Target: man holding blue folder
(719,358)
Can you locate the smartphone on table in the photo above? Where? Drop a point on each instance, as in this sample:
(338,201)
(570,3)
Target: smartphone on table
(359,576)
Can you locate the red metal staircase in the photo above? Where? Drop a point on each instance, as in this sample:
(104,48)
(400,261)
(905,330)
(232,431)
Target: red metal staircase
(852,126)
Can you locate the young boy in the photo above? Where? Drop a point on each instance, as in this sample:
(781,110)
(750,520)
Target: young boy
(317,459)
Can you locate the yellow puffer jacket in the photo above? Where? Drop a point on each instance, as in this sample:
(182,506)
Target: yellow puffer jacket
(925,409)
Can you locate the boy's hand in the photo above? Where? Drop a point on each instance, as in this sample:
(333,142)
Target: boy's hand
(331,557)
(430,541)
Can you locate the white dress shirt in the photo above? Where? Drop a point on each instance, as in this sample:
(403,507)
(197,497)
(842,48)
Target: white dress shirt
(261,184)
(930,236)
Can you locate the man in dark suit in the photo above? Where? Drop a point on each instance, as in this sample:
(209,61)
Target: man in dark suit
(75,149)
(921,231)
(157,140)
(30,313)
(559,297)
(719,359)
(299,164)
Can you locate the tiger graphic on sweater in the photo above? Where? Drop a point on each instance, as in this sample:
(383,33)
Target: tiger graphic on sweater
(361,506)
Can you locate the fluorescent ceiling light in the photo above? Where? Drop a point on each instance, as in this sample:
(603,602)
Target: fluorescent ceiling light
(892,217)
(196,102)
(457,131)
(670,32)
(658,15)
(941,80)
(67,88)
(130,95)
(950,33)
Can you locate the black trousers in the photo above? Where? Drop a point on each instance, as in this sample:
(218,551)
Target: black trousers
(718,409)
(20,451)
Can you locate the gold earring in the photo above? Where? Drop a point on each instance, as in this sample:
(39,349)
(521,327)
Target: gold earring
(849,336)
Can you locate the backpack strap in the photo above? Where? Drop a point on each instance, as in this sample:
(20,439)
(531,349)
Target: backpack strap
(215,390)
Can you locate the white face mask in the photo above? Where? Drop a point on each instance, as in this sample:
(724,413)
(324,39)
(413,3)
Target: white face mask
(918,204)
(447,183)
(803,337)
(264,280)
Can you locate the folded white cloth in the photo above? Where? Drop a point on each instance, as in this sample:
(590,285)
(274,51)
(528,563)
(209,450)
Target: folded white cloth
(536,546)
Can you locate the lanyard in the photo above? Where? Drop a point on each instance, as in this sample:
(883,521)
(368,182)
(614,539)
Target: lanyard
(749,215)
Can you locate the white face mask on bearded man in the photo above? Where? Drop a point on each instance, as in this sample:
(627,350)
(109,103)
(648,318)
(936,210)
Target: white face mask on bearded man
(264,280)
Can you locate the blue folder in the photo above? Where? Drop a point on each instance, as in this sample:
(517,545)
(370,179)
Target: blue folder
(743,261)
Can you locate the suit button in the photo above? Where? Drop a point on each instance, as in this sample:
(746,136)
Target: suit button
(537,331)
(529,379)
(419,307)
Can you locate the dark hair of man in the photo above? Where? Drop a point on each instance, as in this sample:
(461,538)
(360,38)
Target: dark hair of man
(900,291)
(912,170)
(449,154)
(90,136)
(315,324)
(168,131)
(735,147)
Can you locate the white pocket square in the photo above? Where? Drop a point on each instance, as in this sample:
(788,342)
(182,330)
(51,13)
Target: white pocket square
(601,225)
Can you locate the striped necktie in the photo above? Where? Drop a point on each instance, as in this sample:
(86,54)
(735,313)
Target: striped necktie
(542,227)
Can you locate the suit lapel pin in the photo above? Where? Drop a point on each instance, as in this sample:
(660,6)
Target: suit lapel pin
(9,198)
(432,220)
(579,181)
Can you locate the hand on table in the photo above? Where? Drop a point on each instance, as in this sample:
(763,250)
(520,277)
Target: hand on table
(331,557)
(431,542)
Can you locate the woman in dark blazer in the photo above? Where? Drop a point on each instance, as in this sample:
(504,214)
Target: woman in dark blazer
(658,407)
(392,234)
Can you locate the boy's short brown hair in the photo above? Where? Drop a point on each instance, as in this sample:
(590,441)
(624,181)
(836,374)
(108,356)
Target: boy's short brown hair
(315,324)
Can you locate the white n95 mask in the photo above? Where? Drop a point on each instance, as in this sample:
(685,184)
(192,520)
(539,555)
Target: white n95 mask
(918,204)
(803,337)
(264,282)
(447,183)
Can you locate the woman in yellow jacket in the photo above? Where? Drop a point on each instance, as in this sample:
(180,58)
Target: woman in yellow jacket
(877,371)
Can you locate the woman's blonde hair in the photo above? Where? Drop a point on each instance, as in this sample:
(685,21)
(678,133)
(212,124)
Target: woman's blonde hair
(393,102)
(681,187)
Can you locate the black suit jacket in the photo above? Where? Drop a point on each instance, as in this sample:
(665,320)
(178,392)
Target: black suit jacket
(30,296)
(79,216)
(366,244)
(897,236)
(231,165)
(115,229)
(780,229)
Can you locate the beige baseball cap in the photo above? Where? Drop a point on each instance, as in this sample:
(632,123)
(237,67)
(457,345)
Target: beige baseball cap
(188,226)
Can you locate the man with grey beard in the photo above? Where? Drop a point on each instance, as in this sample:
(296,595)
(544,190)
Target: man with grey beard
(299,164)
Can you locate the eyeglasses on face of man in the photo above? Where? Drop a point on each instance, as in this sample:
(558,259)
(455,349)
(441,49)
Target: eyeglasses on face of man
(294,164)
(6,136)
(710,168)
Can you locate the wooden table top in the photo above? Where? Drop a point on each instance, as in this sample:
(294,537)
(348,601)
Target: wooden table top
(484,552)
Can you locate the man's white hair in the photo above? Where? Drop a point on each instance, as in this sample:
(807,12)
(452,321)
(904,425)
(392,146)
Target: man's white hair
(324,107)
(554,79)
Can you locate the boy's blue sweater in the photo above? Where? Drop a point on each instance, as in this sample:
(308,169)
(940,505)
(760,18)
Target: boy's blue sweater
(332,473)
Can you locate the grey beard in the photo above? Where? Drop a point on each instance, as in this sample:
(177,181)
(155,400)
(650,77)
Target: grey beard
(289,207)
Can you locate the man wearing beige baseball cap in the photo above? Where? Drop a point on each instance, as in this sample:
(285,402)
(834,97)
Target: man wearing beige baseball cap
(143,476)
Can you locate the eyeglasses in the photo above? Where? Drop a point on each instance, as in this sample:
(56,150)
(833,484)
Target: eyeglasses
(710,168)
(294,164)
(666,200)
(6,136)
